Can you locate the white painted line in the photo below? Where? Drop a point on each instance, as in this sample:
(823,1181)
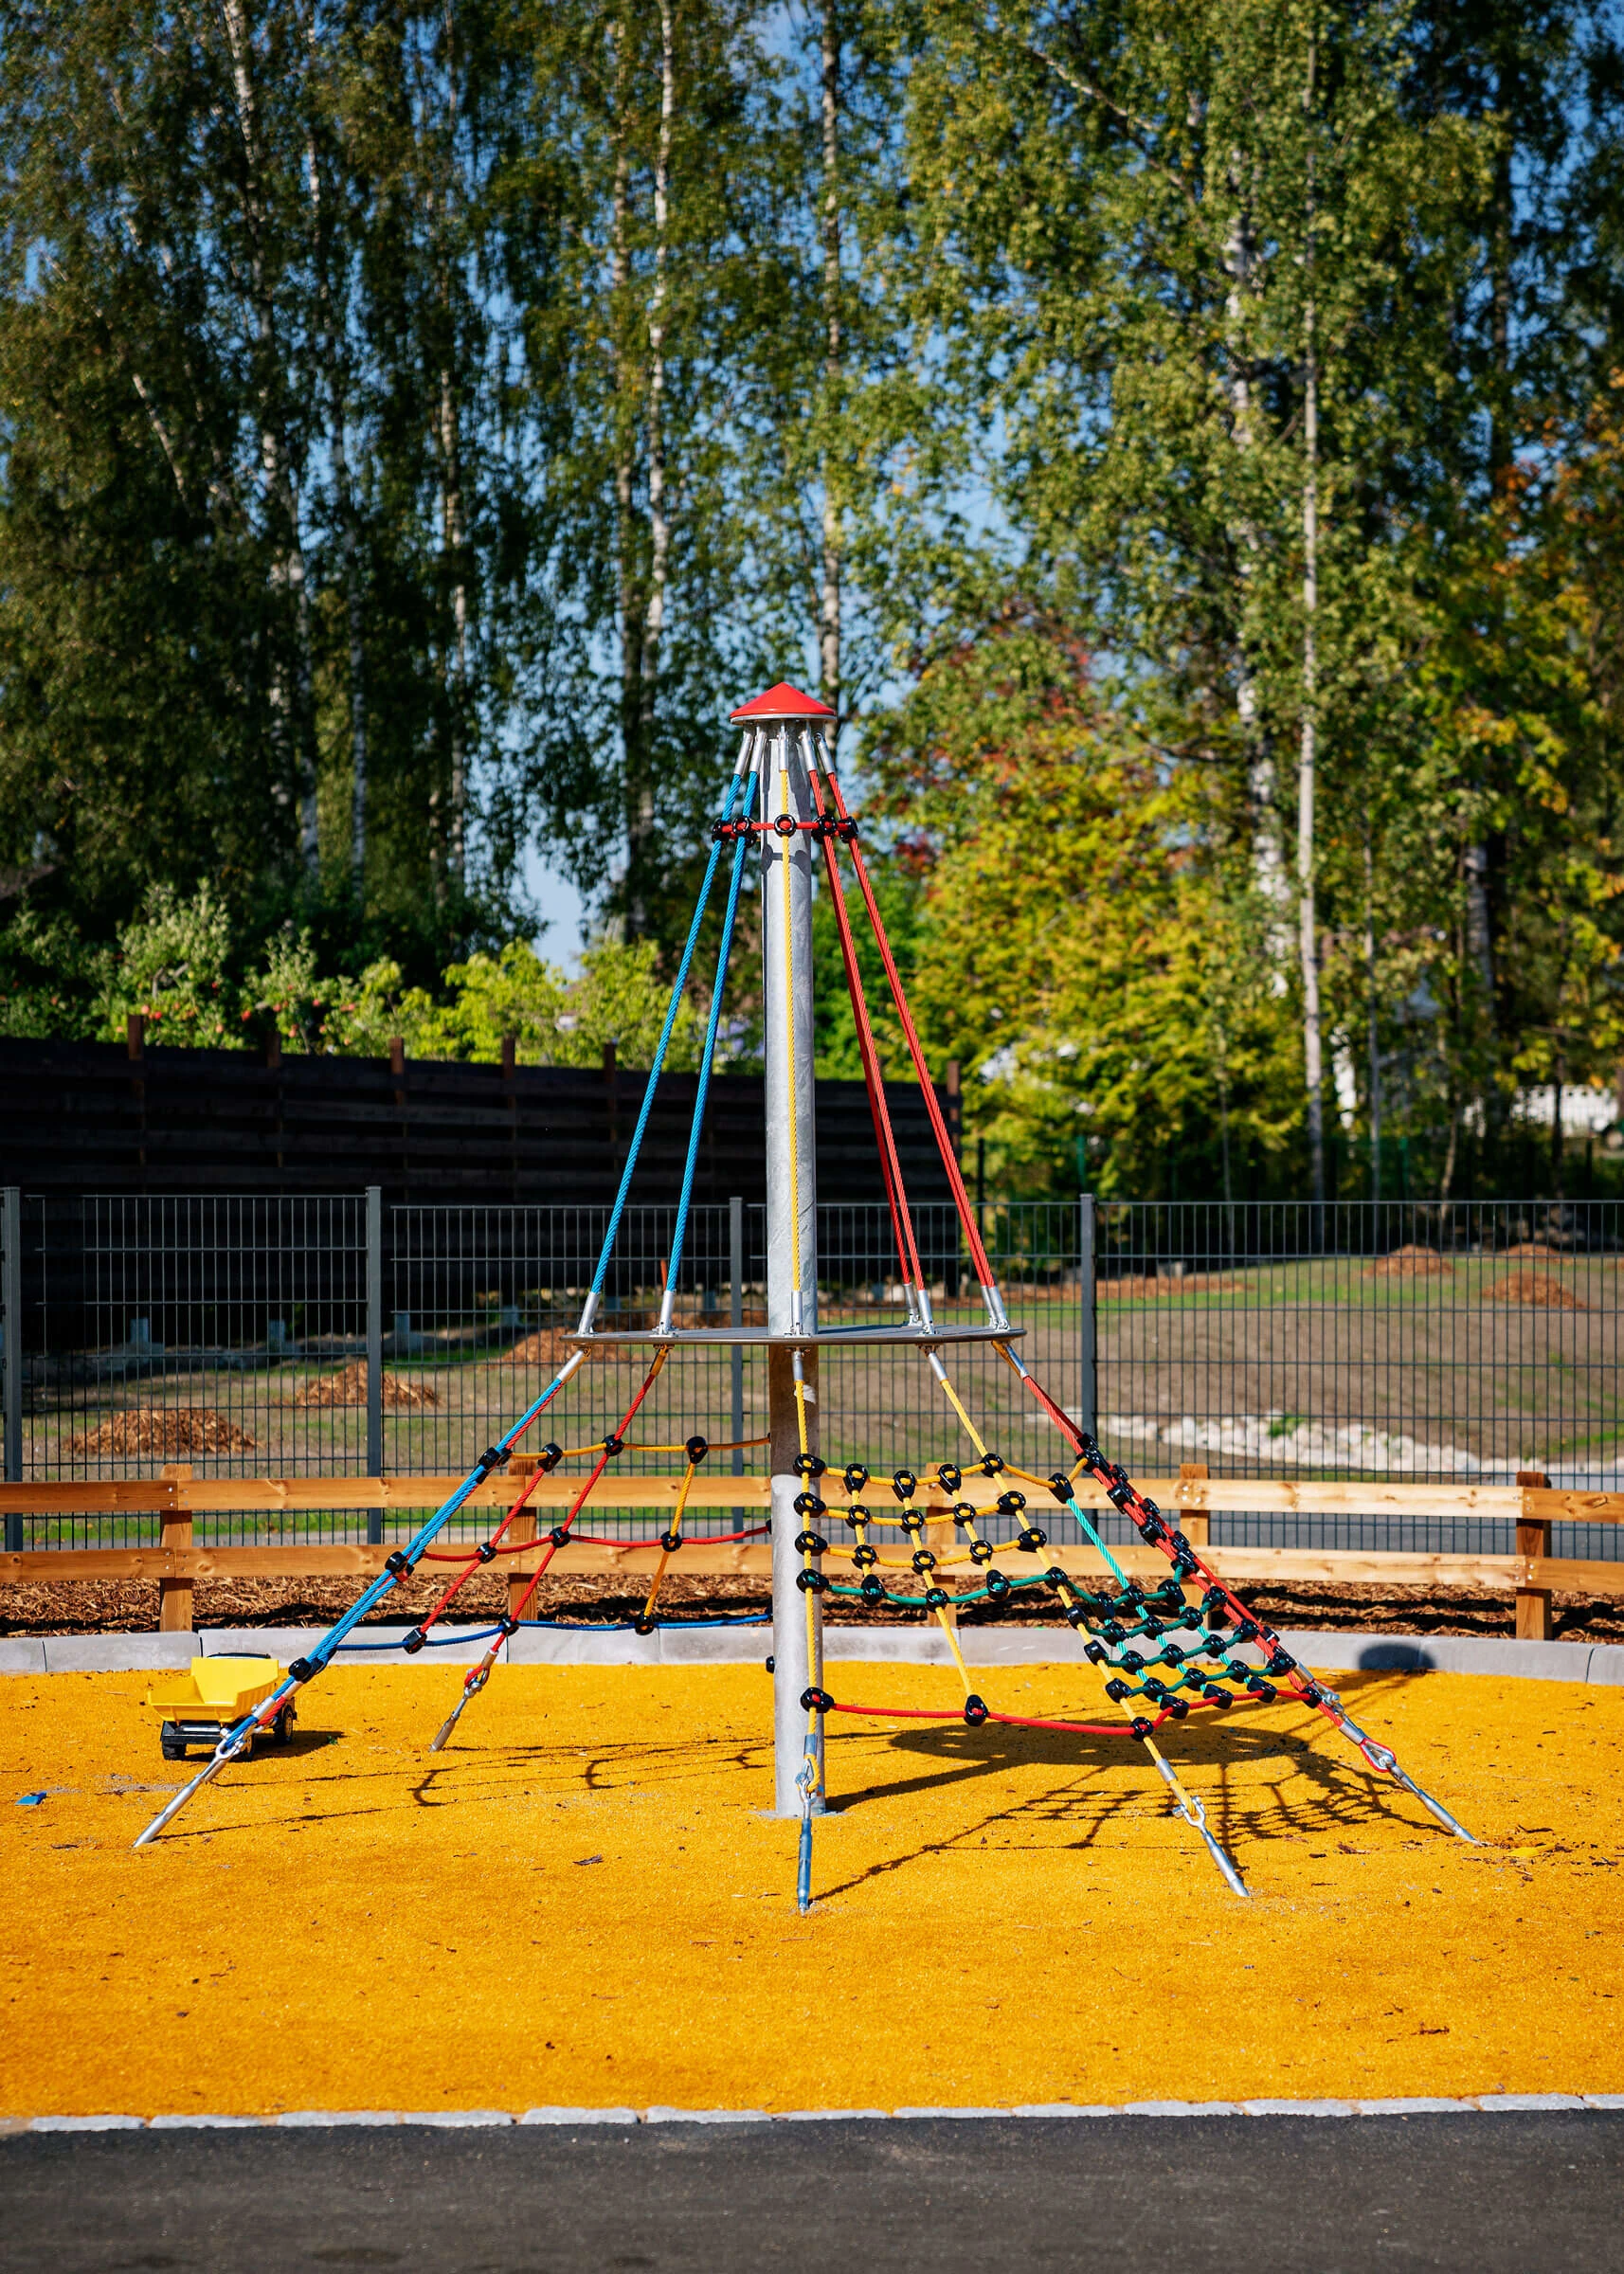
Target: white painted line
(579,2116)
(312,2117)
(706,2115)
(1065,2108)
(1516,2103)
(1416,2107)
(1492,2103)
(831,2116)
(1298,2108)
(917,2112)
(89,2123)
(209,2123)
(453,2119)
(1181,2108)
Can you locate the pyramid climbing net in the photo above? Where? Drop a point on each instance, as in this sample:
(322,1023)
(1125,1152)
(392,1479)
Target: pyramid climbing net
(1157,1654)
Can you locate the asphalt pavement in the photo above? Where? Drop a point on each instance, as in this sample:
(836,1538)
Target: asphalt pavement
(1499,2193)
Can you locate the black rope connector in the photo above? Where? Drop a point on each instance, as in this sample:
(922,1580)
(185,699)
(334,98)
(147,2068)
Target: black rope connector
(948,1477)
(303,1669)
(1077,1616)
(964,1512)
(643,1624)
(1054,1578)
(399,1564)
(786,825)
(865,1558)
(1119,1496)
(509,1625)
(1140,1727)
(997,1586)
(811,1582)
(613,1445)
(873,1590)
(981,1551)
(1030,1540)
(855,1515)
(811,1543)
(975,1711)
(558,1535)
(911,1522)
(935,1598)
(414,1642)
(1060,1485)
(991,1464)
(848,829)
(808,1464)
(1281,1663)
(817,1701)
(855,1476)
(671,1542)
(1094,1652)
(903,1483)
(493,1457)
(485,1552)
(923,1560)
(1116,1692)
(808,1504)
(696,1448)
(551,1454)
(1011,1504)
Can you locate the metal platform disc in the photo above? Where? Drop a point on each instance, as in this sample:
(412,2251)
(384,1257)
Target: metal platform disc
(911,1338)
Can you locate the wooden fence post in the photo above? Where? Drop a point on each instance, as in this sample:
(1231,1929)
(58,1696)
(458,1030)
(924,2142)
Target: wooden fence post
(174,1596)
(1196,1525)
(1533,1539)
(522,1526)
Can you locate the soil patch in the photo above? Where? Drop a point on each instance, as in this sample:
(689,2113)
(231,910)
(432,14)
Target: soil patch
(166,1430)
(349,1388)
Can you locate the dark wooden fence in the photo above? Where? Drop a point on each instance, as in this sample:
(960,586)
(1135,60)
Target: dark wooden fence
(101,1117)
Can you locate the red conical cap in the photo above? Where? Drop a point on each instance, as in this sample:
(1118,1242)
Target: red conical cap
(783,701)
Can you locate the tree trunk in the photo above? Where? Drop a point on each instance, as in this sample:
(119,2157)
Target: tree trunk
(291,689)
(454,541)
(829,611)
(659,522)
(628,600)
(1307,929)
(1370,1016)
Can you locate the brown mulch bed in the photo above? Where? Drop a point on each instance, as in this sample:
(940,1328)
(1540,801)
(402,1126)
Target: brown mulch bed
(165,1430)
(349,1388)
(1537,1288)
(93,1607)
(1409,1262)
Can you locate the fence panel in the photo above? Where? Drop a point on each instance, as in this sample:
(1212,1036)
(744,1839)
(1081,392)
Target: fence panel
(248,1335)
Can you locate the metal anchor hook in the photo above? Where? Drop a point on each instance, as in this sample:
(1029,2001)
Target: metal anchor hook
(470,1689)
(806,1783)
(227,1749)
(1195,1815)
(1385,1761)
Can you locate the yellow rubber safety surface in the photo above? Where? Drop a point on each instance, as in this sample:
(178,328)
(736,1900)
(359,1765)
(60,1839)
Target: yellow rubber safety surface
(579,1903)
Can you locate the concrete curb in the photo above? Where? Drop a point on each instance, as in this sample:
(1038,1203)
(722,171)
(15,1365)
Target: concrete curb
(1501,2103)
(1598,1662)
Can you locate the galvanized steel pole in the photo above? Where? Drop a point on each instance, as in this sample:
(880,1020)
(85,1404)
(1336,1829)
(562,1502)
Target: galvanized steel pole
(791,1190)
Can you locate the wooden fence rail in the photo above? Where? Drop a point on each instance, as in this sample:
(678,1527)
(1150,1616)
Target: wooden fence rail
(177,1562)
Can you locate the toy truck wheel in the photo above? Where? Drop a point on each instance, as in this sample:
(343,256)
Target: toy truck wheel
(280,1729)
(172,1741)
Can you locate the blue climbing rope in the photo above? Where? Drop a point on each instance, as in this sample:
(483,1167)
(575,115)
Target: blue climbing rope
(692,1163)
(655,1071)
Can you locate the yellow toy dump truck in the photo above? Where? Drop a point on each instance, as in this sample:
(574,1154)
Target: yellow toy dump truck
(198,1706)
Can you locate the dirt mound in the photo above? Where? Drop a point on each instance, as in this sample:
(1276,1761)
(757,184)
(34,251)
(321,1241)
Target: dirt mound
(547,1349)
(349,1388)
(1533,1247)
(166,1430)
(1537,1288)
(1409,1262)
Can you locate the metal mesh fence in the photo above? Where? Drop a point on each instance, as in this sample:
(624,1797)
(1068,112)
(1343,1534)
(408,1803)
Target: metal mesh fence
(247,1335)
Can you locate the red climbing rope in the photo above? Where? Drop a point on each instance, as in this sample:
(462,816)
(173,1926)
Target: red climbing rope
(932,1106)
